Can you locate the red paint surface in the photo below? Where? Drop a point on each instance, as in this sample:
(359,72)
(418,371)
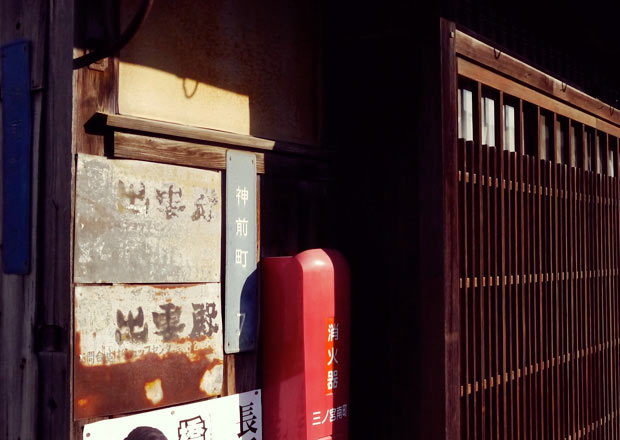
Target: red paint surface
(299,296)
(119,388)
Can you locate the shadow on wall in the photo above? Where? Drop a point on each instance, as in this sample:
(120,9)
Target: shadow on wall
(242,66)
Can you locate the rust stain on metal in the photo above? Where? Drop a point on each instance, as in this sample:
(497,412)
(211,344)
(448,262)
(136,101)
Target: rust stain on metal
(120,388)
(160,347)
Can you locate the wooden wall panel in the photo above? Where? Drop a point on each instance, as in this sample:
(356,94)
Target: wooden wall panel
(19,365)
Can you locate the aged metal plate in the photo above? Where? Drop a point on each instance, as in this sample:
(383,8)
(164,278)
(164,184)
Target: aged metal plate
(16,157)
(237,417)
(139,346)
(240,296)
(141,222)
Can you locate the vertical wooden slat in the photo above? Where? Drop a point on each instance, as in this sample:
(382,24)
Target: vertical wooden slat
(535,414)
(522,215)
(574,322)
(553,269)
(567,324)
(480,241)
(566,389)
(615,244)
(471,273)
(485,304)
(476,282)
(521,390)
(579,298)
(464,288)
(607,290)
(531,351)
(586,287)
(614,290)
(502,415)
(493,294)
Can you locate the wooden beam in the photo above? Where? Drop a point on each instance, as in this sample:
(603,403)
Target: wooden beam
(153,149)
(493,58)
(450,230)
(160,128)
(474,71)
(176,152)
(438,265)
(55,307)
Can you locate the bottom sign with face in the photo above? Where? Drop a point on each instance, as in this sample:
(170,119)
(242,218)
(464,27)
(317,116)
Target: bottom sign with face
(235,417)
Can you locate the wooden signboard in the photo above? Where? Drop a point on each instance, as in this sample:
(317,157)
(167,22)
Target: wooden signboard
(142,222)
(139,347)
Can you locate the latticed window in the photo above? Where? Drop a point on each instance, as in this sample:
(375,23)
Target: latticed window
(539,228)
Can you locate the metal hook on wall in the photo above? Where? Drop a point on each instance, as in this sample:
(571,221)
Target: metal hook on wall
(115,46)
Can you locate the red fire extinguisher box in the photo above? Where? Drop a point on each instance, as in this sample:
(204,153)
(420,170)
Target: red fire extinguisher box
(305,334)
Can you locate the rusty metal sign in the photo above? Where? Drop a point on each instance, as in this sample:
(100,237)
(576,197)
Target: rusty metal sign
(142,222)
(139,347)
(237,417)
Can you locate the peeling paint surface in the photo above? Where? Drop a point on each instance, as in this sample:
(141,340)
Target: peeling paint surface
(142,222)
(139,347)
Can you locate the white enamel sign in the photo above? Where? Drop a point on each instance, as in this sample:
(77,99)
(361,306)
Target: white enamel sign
(138,346)
(236,417)
(142,222)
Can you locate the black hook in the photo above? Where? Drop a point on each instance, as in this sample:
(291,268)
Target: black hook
(497,53)
(116,46)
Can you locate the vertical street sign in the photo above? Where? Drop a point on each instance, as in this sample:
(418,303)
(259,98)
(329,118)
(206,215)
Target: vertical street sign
(16,157)
(241,302)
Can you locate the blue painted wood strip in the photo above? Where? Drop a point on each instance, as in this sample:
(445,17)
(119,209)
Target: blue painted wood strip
(241,300)
(16,157)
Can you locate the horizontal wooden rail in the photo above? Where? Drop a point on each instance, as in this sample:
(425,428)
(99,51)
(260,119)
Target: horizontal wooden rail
(106,121)
(535,278)
(200,155)
(526,188)
(493,58)
(556,361)
(478,73)
(153,149)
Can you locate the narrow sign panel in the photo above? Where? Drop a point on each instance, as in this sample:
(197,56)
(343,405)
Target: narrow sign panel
(241,297)
(139,347)
(235,417)
(17,139)
(141,222)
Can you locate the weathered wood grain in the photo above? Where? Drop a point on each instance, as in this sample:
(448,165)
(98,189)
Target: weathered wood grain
(101,121)
(162,150)
(54,307)
(140,222)
(493,58)
(487,77)
(19,365)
